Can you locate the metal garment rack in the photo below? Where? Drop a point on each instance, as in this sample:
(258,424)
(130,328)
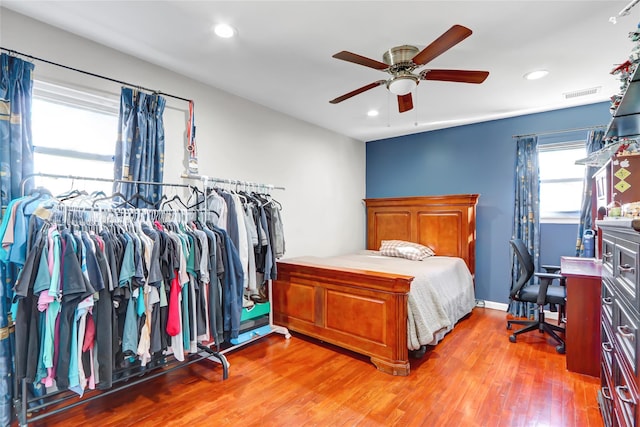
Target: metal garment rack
(206,180)
(25,405)
(92,178)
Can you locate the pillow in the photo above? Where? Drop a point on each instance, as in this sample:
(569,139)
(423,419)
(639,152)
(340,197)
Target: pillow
(402,249)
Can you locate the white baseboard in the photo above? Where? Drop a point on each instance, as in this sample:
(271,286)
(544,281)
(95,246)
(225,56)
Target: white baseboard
(493,305)
(503,307)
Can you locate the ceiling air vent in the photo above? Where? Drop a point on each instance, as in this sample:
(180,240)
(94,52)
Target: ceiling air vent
(582,92)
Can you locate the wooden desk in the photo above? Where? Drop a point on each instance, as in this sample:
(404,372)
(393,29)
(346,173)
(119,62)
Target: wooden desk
(584,281)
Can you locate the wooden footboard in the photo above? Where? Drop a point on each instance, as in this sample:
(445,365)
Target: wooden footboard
(362,311)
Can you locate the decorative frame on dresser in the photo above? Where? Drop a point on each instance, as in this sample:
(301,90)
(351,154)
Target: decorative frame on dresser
(366,311)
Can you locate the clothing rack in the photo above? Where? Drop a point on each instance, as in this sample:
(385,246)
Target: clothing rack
(207,179)
(30,409)
(97,179)
(27,408)
(26,405)
(15,52)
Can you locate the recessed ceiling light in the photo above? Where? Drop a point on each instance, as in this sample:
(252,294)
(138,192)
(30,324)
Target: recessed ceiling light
(225,31)
(372,113)
(535,75)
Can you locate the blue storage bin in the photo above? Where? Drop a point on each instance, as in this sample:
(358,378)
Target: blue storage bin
(246,336)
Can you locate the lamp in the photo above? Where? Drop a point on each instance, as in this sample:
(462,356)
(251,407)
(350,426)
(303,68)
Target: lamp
(402,85)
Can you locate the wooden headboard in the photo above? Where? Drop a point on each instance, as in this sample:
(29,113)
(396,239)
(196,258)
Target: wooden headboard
(447,224)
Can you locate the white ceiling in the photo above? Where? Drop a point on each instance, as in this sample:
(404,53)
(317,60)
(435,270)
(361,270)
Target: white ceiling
(281,57)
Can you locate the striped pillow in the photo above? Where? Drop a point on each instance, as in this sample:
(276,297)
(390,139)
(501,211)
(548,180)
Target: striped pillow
(402,249)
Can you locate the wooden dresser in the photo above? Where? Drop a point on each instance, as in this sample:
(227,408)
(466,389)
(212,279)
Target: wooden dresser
(620,321)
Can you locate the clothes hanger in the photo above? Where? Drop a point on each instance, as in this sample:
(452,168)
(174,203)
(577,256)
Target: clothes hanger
(111,197)
(136,197)
(71,194)
(175,198)
(37,194)
(195,191)
(98,193)
(158,204)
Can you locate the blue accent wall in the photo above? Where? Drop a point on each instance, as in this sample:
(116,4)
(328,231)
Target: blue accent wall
(477,158)
(557,240)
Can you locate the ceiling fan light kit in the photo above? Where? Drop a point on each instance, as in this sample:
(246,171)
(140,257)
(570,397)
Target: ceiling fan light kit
(401,62)
(402,85)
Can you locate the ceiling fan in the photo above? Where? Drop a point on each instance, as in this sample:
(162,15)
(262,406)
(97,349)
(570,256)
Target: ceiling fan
(402,61)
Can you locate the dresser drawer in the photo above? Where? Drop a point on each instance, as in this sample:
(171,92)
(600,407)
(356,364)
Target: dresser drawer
(607,348)
(605,397)
(608,245)
(625,330)
(608,296)
(625,396)
(625,270)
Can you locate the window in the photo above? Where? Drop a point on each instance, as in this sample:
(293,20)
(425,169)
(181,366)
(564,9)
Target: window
(561,181)
(74,133)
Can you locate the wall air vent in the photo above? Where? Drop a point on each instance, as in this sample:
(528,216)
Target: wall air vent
(581,92)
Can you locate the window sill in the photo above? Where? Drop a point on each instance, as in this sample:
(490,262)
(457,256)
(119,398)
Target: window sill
(560,221)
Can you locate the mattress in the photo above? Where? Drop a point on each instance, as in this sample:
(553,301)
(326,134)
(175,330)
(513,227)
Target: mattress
(442,291)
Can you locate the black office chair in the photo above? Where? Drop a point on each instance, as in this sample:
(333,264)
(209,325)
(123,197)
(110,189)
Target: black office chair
(542,293)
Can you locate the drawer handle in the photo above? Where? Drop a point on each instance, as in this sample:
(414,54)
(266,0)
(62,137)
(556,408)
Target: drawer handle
(626,332)
(626,268)
(607,300)
(607,347)
(625,395)
(606,393)
(607,255)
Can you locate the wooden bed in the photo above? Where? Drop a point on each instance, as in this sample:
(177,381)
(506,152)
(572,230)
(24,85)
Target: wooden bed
(366,311)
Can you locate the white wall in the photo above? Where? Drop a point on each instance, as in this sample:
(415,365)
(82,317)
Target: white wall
(323,172)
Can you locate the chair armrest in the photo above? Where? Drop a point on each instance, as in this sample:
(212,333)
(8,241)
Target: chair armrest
(551,268)
(551,276)
(545,280)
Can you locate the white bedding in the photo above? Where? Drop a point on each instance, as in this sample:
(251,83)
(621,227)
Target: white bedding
(441,293)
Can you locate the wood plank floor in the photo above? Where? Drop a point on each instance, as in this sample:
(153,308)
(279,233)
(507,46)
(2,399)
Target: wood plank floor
(474,377)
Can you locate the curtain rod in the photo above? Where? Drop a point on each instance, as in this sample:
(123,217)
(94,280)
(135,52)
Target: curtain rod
(15,52)
(560,131)
(205,179)
(627,8)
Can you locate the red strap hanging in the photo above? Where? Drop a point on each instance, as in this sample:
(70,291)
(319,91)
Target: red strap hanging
(191,141)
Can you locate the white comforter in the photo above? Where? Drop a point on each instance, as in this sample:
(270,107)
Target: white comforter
(441,293)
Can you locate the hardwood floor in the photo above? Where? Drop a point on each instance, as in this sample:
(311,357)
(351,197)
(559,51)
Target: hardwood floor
(474,377)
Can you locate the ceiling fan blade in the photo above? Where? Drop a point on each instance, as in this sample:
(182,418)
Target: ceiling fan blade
(361,60)
(461,76)
(446,41)
(357,91)
(405,102)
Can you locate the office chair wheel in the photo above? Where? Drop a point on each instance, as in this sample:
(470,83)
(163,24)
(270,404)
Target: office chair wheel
(560,349)
(512,338)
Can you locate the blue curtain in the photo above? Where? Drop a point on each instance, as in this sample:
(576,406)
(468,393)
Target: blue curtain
(594,143)
(16,162)
(526,213)
(140,146)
